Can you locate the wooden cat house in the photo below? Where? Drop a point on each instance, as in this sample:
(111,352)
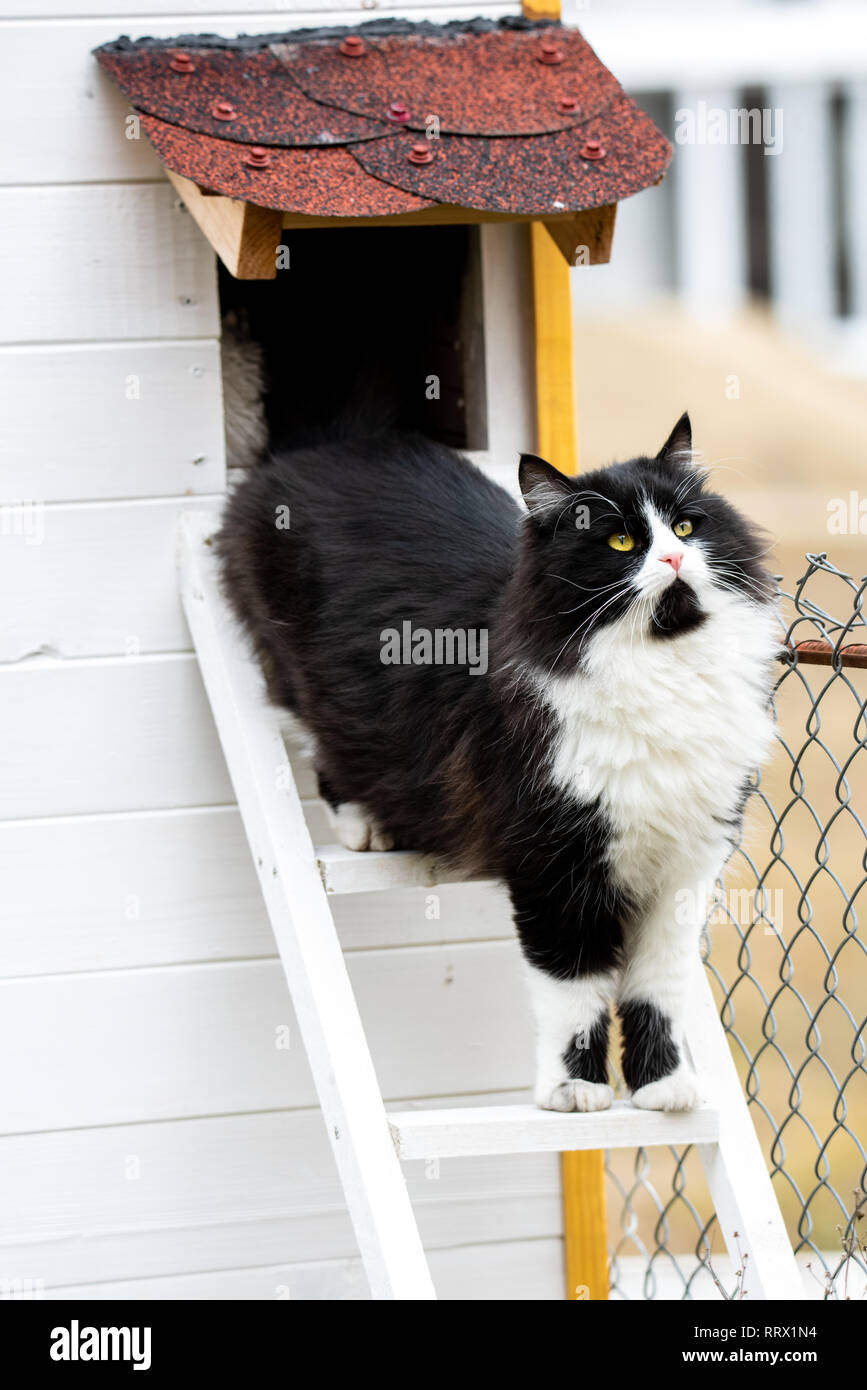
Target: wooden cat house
(491,126)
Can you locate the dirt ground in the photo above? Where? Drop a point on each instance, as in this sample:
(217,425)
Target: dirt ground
(785,439)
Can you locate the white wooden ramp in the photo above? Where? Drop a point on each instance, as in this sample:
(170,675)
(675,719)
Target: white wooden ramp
(297,880)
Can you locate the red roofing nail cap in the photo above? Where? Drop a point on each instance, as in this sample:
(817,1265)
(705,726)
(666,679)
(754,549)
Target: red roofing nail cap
(224,111)
(182,62)
(397,112)
(549,53)
(593,149)
(352,46)
(257,157)
(421,154)
(568,104)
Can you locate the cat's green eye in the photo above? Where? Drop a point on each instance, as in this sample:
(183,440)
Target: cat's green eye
(621,541)
(683,527)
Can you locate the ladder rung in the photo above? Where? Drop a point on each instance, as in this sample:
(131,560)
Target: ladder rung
(511,1129)
(347,871)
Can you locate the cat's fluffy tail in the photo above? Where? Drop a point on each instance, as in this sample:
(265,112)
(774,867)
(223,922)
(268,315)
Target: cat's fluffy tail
(244,386)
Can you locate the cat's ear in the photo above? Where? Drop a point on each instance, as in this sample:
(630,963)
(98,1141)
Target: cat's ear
(545,489)
(678,446)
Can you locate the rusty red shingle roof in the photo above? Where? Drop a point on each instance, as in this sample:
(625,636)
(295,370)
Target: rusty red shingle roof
(507,116)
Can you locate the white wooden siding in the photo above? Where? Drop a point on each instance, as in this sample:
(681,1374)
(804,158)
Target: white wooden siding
(165,887)
(508,319)
(132,1201)
(64,603)
(120,734)
(101,261)
(519,1270)
(115,420)
(157,1044)
(73,113)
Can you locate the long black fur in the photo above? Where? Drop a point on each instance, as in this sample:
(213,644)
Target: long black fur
(390,528)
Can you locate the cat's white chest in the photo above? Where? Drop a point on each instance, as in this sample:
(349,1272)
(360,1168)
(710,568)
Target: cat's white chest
(662,735)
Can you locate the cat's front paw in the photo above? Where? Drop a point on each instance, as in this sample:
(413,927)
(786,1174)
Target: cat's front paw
(574,1095)
(679,1091)
(380,839)
(356,830)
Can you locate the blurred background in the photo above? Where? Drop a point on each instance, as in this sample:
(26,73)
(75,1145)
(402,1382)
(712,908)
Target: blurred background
(737,290)
(738,287)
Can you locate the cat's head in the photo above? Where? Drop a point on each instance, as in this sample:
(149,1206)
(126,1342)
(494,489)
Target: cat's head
(644,545)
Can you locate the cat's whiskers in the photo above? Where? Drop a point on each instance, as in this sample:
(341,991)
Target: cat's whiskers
(731,568)
(757,556)
(728,586)
(563,612)
(638,616)
(724,571)
(585,587)
(645,608)
(568,507)
(589,492)
(595,622)
(708,466)
(572,634)
(587,628)
(688,482)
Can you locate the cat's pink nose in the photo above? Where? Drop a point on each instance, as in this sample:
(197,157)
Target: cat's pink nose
(673,558)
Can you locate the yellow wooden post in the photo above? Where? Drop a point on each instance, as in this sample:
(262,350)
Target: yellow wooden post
(541,9)
(585,1227)
(556,434)
(585,1224)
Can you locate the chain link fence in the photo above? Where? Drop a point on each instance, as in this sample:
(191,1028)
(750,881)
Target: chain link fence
(789,971)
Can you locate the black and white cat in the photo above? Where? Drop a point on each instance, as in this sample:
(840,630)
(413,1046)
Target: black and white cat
(597,761)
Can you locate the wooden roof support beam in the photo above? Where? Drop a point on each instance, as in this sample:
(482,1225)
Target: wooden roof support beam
(244,236)
(585,237)
(440,215)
